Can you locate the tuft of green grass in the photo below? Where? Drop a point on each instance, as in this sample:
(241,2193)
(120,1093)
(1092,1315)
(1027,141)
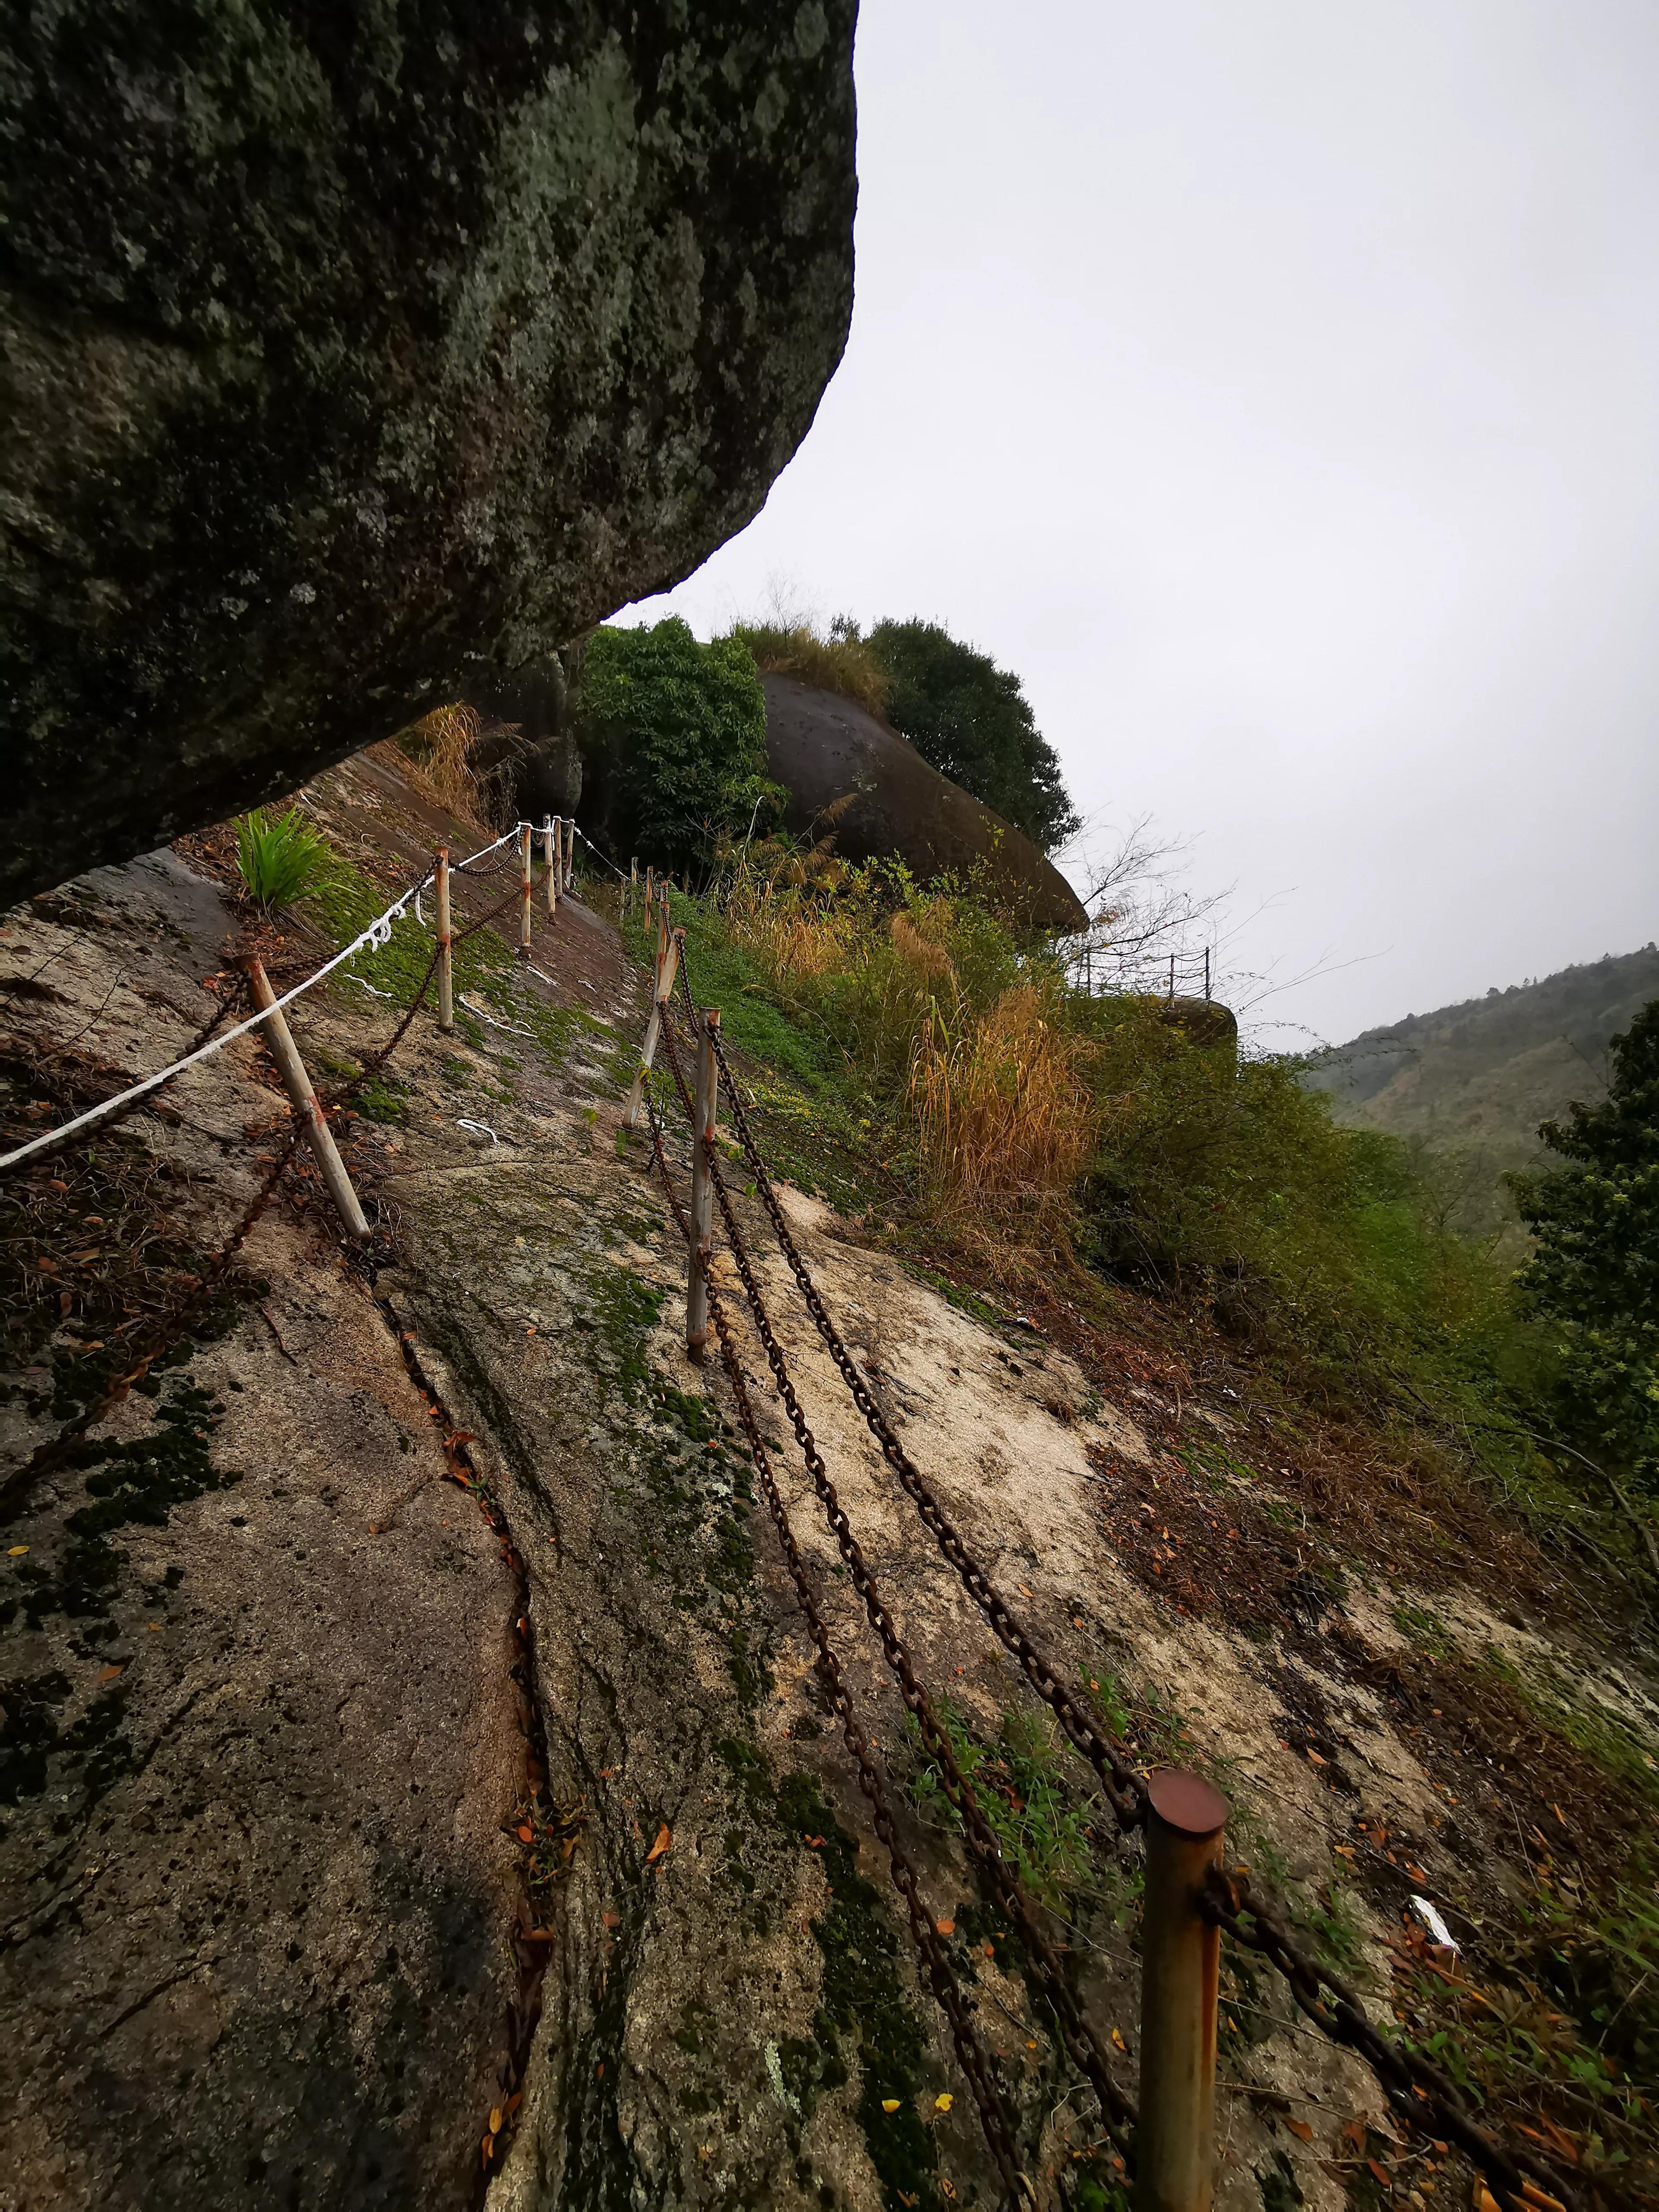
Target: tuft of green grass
(280,860)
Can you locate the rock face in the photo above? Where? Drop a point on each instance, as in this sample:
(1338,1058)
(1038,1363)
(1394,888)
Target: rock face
(848,774)
(344,355)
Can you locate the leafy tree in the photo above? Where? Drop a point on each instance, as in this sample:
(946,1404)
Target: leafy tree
(673,741)
(972,720)
(1596,1268)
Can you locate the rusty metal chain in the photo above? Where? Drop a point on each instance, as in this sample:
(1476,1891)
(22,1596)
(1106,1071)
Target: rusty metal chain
(1421,2093)
(1123,1789)
(940,1977)
(1081,2045)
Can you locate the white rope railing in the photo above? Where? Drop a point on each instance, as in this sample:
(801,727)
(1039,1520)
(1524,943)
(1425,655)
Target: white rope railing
(379,933)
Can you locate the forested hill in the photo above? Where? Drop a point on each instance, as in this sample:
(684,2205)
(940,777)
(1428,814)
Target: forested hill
(1482,1075)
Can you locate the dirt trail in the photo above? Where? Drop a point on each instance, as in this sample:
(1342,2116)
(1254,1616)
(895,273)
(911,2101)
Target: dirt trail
(274,1934)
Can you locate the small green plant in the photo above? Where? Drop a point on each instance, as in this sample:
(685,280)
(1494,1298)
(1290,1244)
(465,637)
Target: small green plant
(279,858)
(1022,1789)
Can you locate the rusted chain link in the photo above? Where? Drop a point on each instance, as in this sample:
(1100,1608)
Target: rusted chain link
(1124,1790)
(1081,2045)
(941,1979)
(1423,2094)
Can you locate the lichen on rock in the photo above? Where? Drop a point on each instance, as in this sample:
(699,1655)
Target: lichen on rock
(346,359)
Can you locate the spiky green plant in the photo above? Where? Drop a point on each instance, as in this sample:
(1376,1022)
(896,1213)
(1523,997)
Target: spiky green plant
(280,860)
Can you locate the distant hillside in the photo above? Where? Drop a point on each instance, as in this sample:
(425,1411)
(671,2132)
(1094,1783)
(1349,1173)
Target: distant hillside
(1472,1082)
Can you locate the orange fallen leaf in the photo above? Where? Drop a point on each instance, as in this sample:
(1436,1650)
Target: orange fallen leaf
(944,1928)
(889,2104)
(611,1919)
(495,2120)
(1354,2132)
(16,1551)
(1314,1755)
(1415,1871)
(526,1833)
(1381,2171)
(1118,2039)
(812,1842)
(664,1840)
(989,1949)
(109,1673)
(1300,2130)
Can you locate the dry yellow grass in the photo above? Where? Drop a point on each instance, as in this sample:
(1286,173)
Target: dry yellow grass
(1004,1118)
(434,751)
(845,664)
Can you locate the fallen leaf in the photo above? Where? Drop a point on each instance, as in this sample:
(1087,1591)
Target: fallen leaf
(664,1840)
(1415,1871)
(1118,2039)
(944,2101)
(889,2104)
(526,1835)
(1314,1755)
(611,1919)
(17,1551)
(812,1842)
(495,2120)
(989,1949)
(944,1928)
(1381,2171)
(1354,2132)
(109,1673)
(1300,2130)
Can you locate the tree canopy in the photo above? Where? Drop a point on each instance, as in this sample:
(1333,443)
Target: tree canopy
(673,738)
(972,721)
(1595,1270)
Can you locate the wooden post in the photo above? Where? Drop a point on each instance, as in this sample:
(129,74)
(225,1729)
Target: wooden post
(570,852)
(1180,1956)
(702,1191)
(668,959)
(446,939)
(523,892)
(551,859)
(650,893)
(303,1099)
(633,885)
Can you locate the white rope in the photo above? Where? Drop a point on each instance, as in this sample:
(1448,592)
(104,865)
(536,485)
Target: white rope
(378,933)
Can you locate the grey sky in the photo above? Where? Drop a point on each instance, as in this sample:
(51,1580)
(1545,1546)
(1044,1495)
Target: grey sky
(1273,387)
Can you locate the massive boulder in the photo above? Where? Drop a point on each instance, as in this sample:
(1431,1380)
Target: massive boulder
(849,775)
(346,355)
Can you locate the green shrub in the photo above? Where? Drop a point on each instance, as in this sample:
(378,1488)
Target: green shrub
(280,859)
(673,739)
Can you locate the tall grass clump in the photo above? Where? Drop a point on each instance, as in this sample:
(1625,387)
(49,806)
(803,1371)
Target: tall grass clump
(837,661)
(436,748)
(279,858)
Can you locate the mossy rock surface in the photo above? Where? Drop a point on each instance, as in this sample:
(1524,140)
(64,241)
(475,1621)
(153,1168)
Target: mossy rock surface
(346,356)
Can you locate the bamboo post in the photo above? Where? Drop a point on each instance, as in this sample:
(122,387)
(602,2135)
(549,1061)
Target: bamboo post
(668,959)
(702,1191)
(551,859)
(445,958)
(1181,1957)
(303,1098)
(524,891)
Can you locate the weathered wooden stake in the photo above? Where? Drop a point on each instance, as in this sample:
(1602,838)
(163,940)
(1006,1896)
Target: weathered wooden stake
(446,939)
(668,960)
(1180,1956)
(650,893)
(303,1099)
(702,1191)
(633,885)
(551,859)
(523,892)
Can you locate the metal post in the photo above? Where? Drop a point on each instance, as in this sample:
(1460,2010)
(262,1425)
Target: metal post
(552,870)
(633,883)
(1172,979)
(702,1191)
(524,891)
(1206,975)
(446,939)
(570,853)
(668,960)
(303,1098)
(1180,1955)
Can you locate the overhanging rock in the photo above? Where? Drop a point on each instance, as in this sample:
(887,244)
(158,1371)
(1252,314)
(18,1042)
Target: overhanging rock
(343,352)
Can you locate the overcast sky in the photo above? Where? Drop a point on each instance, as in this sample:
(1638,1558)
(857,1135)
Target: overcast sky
(1273,387)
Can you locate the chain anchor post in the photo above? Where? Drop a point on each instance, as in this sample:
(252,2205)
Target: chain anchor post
(668,959)
(551,861)
(702,1191)
(1181,1957)
(524,891)
(446,939)
(303,1100)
